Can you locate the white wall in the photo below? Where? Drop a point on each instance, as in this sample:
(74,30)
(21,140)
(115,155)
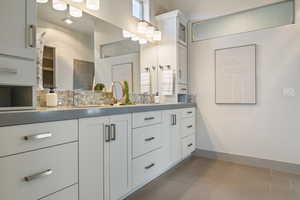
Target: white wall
(69,45)
(268,130)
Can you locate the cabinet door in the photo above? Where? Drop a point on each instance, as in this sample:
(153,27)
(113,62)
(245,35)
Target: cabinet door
(182,64)
(18,27)
(91,158)
(117,161)
(171,138)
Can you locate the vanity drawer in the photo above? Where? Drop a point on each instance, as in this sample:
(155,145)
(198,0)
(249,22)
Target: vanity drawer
(17,139)
(187,126)
(146,168)
(146,118)
(36,174)
(15,71)
(188,112)
(188,146)
(146,139)
(70,193)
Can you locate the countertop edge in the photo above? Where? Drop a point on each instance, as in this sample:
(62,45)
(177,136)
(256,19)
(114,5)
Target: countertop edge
(42,116)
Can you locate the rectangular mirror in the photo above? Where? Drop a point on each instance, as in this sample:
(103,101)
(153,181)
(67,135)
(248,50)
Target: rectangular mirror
(76,53)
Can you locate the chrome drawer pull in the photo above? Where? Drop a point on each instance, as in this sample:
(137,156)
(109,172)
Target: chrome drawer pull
(107,133)
(149,118)
(190,112)
(32,36)
(191,126)
(190,145)
(48,172)
(37,136)
(6,70)
(149,139)
(113,132)
(150,166)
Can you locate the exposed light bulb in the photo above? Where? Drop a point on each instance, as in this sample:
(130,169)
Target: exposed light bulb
(77,1)
(142,27)
(42,1)
(143,41)
(93,4)
(135,38)
(150,31)
(157,36)
(59,5)
(75,12)
(68,21)
(126,34)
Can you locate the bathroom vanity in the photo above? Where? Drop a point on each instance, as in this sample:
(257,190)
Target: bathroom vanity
(91,153)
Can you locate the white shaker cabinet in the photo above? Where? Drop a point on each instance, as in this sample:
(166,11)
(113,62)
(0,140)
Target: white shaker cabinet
(18,28)
(117,158)
(104,157)
(172,137)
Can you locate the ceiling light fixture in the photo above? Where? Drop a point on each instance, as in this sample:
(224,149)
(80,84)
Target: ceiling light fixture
(93,4)
(75,12)
(42,1)
(59,5)
(68,21)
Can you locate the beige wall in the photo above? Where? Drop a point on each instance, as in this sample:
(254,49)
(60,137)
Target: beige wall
(268,130)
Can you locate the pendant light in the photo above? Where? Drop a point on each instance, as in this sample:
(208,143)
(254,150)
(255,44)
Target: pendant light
(93,4)
(59,5)
(42,1)
(142,27)
(75,12)
(127,34)
(157,35)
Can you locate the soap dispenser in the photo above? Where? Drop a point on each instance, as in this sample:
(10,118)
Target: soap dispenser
(51,98)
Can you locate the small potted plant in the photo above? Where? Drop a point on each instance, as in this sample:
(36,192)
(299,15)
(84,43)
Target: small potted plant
(99,87)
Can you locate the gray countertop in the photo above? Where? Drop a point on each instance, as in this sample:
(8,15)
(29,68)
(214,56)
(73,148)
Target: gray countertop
(67,113)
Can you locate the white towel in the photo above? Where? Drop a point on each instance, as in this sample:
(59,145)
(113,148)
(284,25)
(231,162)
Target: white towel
(167,83)
(145,83)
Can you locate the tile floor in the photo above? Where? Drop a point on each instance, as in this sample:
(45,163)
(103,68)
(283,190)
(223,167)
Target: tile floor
(204,179)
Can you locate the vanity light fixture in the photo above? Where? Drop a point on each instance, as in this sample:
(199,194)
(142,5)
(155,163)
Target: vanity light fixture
(135,38)
(68,21)
(127,34)
(42,1)
(143,41)
(75,12)
(157,35)
(59,5)
(93,4)
(77,1)
(142,27)
(150,31)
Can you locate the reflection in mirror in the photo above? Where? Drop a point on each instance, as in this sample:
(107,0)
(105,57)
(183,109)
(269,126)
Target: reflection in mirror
(77,53)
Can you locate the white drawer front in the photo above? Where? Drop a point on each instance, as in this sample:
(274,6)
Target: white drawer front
(146,118)
(188,146)
(70,193)
(17,139)
(17,71)
(187,127)
(146,168)
(188,112)
(146,139)
(61,160)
